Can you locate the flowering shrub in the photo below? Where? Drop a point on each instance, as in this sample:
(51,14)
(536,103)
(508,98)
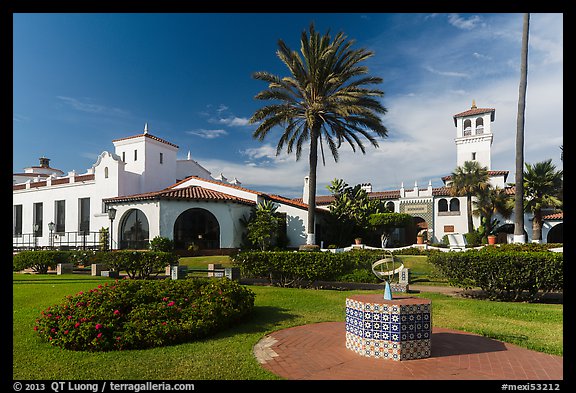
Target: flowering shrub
(137,314)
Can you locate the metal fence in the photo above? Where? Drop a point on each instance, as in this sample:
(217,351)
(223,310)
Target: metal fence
(59,241)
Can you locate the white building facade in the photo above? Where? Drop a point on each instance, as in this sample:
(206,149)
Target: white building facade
(156,194)
(153,194)
(438,213)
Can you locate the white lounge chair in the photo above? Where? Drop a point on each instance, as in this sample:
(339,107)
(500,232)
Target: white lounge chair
(457,241)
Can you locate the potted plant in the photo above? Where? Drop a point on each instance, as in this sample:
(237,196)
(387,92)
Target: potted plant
(491,239)
(421,237)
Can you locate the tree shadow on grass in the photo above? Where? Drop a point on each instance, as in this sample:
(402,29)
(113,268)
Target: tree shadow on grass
(262,319)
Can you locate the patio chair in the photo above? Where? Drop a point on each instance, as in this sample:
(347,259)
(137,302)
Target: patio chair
(457,241)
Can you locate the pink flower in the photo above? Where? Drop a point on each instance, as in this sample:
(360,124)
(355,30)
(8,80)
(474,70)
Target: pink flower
(165,299)
(116,312)
(98,326)
(77,324)
(171,304)
(35,328)
(65,331)
(99,335)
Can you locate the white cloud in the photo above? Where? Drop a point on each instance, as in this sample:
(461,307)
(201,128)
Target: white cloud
(208,134)
(420,147)
(464,23)
(234,121)
(85,105)
(446,73)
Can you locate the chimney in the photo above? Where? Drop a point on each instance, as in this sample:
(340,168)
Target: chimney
(305,191)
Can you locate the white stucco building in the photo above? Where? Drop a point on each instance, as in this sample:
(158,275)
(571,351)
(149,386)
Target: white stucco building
(436,211)
(154,194)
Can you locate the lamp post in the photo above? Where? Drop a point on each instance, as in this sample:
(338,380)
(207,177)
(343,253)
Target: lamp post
(51,226)
(36,226)
(111,216)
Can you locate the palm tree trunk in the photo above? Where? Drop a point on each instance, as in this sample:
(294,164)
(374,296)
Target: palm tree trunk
(311,235)
(519,194)
(469,212)
(537,226)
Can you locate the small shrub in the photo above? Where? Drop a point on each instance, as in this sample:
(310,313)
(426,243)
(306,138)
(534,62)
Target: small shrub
(130,314)
(39,261)
(160,243)
(140,264)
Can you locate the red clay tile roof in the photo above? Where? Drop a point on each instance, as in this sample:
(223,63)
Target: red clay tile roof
(554,216)
(297,202)
(475,111)
(147,136)
(321,200)
(219,183)
(490,173)
(196,193)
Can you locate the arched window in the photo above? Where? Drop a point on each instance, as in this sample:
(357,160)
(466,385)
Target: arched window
(390,206)
(454,205)
(442,205)
(479,126)
(134,230)
(196,227)
(467,127)
(105,172)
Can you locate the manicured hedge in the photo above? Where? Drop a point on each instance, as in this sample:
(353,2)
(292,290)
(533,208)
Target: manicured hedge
(503,273)
(140,264)
(137,264)
(297,269)
(39,261)
(137,314)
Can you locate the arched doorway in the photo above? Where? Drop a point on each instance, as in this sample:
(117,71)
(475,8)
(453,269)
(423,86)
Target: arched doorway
(556,234)
(196,227)
(420,226)
(134,231)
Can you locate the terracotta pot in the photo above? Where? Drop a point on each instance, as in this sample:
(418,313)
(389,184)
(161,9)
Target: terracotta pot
(358,241)
(419,239)
(491,239)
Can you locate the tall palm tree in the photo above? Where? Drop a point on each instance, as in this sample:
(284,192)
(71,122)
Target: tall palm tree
(519,196)
(469,180)
(492,201)
(542,186)
(326,98)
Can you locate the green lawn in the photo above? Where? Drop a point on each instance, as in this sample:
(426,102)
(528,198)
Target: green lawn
(228,355)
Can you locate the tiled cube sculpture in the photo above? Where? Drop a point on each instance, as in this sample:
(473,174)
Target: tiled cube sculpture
(397,329)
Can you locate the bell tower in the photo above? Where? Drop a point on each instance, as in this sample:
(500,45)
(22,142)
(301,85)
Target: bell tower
(474,135)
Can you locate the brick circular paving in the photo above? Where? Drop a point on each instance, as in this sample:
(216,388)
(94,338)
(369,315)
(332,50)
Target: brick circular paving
(318,352)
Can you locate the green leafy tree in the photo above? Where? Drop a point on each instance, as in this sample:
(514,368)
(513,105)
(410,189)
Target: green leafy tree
(468,180)
(489,202)
(542,188)
(350,211)
(386,222)
(263,225)
(326,99)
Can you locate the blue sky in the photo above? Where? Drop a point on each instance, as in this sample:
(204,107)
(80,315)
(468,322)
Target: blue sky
(82,80)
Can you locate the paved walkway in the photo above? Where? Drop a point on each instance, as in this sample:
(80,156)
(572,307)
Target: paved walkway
(318,352)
